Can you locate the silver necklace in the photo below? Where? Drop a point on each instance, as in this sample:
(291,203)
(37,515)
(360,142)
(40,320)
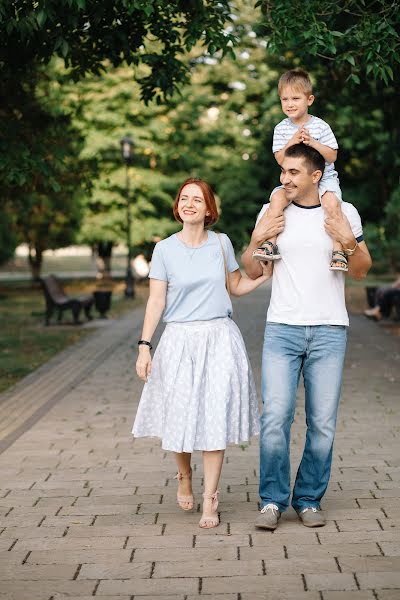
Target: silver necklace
(190,250)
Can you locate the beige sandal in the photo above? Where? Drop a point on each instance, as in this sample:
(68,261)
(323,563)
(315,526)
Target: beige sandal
(184,502)
(213,520)
(339,261)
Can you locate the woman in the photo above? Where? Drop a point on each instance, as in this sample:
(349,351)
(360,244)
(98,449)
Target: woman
(199,392)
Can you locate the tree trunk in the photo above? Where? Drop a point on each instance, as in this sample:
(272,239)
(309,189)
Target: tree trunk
(103,252)
(35,259)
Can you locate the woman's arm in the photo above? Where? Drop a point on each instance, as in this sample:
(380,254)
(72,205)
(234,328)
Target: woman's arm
(154,309)
(243,285)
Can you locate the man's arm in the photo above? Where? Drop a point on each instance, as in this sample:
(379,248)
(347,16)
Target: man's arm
(266,228)
(360,262)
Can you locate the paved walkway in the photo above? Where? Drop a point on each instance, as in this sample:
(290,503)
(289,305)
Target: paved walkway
(87,511)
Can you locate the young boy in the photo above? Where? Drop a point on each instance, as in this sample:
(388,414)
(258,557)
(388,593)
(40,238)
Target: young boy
(295,91)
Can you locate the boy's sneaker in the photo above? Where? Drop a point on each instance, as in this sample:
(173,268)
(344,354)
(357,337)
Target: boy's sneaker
(268,517)
(312,517)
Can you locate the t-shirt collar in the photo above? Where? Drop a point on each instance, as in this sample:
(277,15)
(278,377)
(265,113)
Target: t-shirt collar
(301,206)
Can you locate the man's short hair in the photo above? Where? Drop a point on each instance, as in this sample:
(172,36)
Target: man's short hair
(312,158)
(297,79)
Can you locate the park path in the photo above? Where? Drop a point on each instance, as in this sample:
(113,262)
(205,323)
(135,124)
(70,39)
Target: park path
(85,510)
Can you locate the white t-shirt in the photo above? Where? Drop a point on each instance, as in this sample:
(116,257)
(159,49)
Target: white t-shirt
(304,290)
(319,130)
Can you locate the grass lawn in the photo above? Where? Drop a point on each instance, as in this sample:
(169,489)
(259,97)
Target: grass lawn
(26,343)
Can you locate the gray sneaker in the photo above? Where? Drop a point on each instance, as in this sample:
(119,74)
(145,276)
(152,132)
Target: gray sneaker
(312,517)
(268,517)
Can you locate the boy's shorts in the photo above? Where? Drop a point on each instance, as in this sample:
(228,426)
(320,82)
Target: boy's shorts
(327,184)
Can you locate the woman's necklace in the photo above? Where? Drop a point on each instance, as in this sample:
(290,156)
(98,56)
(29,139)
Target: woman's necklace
(191,250)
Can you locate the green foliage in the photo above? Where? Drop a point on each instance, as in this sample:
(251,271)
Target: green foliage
(8,239)
(43,178)
(86,33)
(219,128)
(392,228)
(41,171)
(360,38)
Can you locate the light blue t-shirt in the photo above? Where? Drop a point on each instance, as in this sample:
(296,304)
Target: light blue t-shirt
(196,288)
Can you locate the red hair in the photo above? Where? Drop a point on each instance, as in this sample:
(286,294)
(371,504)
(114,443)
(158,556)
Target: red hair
(208,196)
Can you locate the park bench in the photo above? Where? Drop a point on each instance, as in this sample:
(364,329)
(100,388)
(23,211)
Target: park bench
(57,299)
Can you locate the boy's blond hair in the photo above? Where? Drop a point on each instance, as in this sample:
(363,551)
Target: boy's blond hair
(297,79)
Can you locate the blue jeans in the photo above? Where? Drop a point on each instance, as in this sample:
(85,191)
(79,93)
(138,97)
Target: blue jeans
(318,351)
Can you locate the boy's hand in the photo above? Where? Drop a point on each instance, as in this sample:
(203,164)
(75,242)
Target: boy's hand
(308,140)
(296,138)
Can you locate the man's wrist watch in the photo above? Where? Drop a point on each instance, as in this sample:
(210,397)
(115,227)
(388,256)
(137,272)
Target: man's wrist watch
(350,251)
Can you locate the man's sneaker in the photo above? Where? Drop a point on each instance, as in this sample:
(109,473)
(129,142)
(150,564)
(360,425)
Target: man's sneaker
(268,517)
(312,517)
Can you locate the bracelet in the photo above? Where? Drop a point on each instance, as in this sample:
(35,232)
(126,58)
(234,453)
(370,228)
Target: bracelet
(145,343)
(350,251)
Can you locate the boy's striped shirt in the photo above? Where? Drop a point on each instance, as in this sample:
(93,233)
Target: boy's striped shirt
(319,130)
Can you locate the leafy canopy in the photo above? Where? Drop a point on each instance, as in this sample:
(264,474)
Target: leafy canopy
(85,33)
(361,37)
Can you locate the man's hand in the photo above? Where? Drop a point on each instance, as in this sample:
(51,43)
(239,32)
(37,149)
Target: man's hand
(339,229)
(267,227)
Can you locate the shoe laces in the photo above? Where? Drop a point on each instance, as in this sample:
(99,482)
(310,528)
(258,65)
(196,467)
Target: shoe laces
(310,508)
(270,506)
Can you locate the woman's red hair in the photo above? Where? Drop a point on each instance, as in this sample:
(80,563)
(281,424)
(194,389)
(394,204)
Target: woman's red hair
(209,199)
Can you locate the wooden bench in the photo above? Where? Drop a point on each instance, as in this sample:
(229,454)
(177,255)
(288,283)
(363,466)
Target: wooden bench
(57,299)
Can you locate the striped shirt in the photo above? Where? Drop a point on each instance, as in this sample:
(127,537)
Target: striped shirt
(319,130)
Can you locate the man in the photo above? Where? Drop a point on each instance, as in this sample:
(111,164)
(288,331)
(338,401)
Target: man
(305,333)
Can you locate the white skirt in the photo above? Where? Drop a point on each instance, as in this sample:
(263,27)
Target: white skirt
(201,393)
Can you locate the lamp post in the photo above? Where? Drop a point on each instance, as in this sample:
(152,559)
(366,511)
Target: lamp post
(127,152)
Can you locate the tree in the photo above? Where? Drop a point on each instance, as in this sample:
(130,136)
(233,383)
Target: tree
(361,39)
(150,35)
(86,33)
(43,178)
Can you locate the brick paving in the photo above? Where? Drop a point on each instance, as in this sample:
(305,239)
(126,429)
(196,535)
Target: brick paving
(86,511)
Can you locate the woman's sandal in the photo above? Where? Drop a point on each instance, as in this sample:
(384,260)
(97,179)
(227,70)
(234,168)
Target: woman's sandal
(184,502)
(339,261)
(267,252)
(212,520)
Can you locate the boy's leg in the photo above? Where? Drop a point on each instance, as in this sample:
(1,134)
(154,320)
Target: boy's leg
(322,369)
(281,365)
(278,203)
(331,205)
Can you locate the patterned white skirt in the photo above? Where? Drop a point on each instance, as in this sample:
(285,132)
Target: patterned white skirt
(201,393)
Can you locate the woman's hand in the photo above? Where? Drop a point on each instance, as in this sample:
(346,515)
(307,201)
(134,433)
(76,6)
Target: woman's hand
(143,363)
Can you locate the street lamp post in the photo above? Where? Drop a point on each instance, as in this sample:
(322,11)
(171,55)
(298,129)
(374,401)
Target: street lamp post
(127,151)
